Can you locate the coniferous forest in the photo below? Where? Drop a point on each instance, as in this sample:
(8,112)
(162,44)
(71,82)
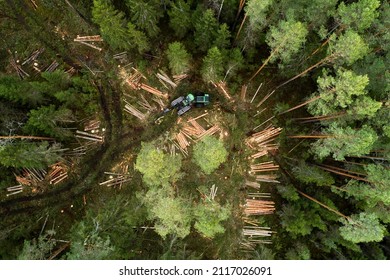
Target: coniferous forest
(283,152)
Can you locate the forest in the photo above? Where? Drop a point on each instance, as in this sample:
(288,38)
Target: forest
(290,160)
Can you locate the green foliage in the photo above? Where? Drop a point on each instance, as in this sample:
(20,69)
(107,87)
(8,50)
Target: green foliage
(138,38)
(112,24)
(288,192)
(347,48)
(256,13)
(209,214)
(286,40)
(180,17)
(47,120)
(157,167)
(87,244)
(179,58)
(344,142)
(339,93)
(209,154)
(358,15)
(171,214)
(38,249)
(28,154)
(299,252)
(222,38)
(300,220)
(362,227)
(212,67)
(145,15)
(312,174)
(205,30)
(15,90)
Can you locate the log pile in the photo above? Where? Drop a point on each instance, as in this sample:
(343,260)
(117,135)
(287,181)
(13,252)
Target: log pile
(182,141)
(153,91)
(222,88)
(263,167)
(254,234)
(89,136)
(263,137)
(33,56)
(145,104)
(179,78)
(164,79)
(86,39)
(134,111)
(252,184)
(58,172)
(259,207)
(21,73)
(134,79)
(115,179)
(92,125)
(52,67)
(15,189)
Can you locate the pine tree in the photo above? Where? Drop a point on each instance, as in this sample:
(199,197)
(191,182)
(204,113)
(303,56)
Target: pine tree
(28,154)
(145,15)
(178,57)
(205,27)
(363,227)
(180,17)
(285,40)
(112,24)
(212,67)
(209,154)
(358,15)
(344,141)
(157,167)
(138,38)
(171,214)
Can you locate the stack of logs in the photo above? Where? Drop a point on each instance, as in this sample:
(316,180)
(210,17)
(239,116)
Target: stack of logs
(193,131)
(259,207)
(254,234)
(116,179)
(89,136)
(261,142)
(33,178)
(86,39)
(164,79)
(58,173)
(134,81)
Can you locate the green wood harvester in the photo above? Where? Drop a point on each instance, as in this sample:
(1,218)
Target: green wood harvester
(184,103)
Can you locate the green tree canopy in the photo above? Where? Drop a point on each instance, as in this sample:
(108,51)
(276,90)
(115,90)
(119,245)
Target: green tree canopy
(112,24)
(180,17)
(209,214)
(347,48)
(358,15)
(206,27)
(48,120)
(157,167)
(344,141)
(363,227)
(212,67)
(172,215)
(145,14)
(179,58)
(286,40)
(209,154)
(23,154)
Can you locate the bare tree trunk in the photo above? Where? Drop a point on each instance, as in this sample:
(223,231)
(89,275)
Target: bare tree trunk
(301,105)
(323,205)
